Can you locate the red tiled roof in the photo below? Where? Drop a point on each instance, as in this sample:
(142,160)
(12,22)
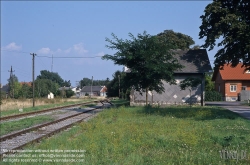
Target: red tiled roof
(27,83)
(236,73)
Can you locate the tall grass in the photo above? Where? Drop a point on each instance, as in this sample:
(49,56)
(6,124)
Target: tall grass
(12,106)
(146,135)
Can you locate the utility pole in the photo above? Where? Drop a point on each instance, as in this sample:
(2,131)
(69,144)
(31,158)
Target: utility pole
(33,76)
(119,86)
(52,64)
(91,87)
(11,81)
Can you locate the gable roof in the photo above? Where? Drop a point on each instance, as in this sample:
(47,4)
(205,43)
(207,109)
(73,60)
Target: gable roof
(232,73)
(194,61)
(94,88)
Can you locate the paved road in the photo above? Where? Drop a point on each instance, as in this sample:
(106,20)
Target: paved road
(233,106)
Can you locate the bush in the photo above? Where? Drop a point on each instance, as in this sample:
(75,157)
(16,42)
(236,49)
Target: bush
(69,93)
(213,96)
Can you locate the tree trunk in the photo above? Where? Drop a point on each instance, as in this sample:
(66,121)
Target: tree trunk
(146,96)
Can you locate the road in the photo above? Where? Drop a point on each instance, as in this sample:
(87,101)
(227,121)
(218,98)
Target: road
(235,106)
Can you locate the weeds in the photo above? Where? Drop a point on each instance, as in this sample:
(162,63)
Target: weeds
(146,135)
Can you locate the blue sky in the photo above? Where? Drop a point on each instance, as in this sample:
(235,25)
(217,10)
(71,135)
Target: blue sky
(79,29)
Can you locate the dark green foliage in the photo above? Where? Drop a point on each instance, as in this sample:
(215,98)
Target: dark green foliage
(148,57)
(87,82)
(176,40)
(26,91)
(55,77)
(44,86)
(229,21)
(113,86)
(69,93)
(213,96)
(209,84)
(190,82)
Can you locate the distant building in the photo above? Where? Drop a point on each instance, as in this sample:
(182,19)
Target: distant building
(94,91)
(50,95)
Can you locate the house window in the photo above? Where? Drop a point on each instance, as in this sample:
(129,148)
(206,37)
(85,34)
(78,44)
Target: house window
(243,88)
(233,88)
(248,71)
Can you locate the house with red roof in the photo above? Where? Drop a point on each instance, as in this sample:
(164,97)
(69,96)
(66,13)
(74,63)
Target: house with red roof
(231,82)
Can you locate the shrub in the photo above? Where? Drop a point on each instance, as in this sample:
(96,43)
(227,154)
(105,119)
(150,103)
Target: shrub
(213,96)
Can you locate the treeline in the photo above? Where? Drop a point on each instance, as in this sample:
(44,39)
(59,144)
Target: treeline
(45,83)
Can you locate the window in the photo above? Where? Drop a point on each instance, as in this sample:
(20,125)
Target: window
(243,88)
(248,71)
(233,88)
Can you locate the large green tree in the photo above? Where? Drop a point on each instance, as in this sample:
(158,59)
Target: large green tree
(14,86)
(44,86)
(176,40)
(55,77)
(87,82)
(117,83)
(227,21)
(149,58)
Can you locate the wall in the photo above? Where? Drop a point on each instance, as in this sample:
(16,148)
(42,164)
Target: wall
(172,95)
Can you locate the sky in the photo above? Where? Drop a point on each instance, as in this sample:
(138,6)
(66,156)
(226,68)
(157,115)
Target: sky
(79,28)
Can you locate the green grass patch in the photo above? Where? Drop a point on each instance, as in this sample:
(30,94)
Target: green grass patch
(156,136)
(87,105)
(120,102)
(41,107)
(11,126)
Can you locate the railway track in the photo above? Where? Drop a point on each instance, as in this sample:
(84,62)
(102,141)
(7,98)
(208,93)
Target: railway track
(21,138)
(5,118)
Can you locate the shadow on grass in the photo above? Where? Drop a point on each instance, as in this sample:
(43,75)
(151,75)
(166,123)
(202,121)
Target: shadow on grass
(196,113)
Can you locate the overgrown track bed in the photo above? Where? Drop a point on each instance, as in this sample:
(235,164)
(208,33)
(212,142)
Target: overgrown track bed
(34,134)
(45,110)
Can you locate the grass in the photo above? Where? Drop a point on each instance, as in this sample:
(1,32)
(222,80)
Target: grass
(87,105)
(156,136)
(42,107)
(11,126)
(120,102)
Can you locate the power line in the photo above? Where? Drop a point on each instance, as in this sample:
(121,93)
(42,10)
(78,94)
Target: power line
(69,57)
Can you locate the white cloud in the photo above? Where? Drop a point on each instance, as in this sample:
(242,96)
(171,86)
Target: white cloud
(13,46)
(79,48)
(44,51)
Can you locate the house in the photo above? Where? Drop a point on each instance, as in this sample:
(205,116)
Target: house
(76,90)
(50,95)
(93,91)
(196,64)
(232,82)
(5,90)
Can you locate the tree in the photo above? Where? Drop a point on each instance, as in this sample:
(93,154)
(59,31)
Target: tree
(44,86)
(149,58)
(176,40)
(55,77)
(228,20)
(113,85)
(14,86)
(209,84)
